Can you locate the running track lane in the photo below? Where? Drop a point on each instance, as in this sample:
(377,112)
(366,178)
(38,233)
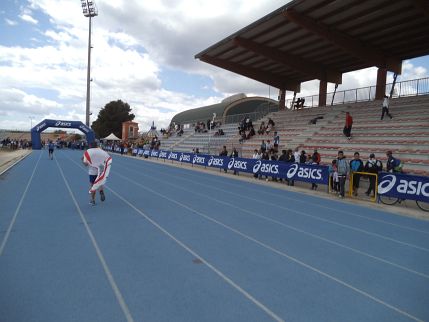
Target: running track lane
(259,238)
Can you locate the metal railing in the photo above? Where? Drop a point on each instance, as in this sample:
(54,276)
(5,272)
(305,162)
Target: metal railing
(414,87)
(237,118)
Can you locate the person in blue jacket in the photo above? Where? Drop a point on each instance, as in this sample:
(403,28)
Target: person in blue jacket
(356,165)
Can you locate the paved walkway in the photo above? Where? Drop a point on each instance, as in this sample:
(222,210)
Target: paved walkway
(8,158)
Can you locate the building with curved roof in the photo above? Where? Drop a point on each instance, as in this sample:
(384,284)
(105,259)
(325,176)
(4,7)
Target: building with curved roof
(230,108)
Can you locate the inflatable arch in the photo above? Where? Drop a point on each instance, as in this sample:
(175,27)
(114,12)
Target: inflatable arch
(39,128)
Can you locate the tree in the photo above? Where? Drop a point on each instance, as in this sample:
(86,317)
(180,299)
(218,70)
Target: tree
(111,117)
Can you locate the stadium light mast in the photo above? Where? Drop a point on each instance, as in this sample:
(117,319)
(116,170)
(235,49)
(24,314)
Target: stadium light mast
(89,10)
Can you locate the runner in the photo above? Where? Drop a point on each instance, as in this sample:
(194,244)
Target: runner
(51,147)
(98,162)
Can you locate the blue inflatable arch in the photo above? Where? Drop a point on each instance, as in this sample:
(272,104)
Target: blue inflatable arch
(39,128)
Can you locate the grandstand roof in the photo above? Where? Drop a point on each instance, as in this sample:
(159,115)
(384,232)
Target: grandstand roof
(226,107)
(322,39)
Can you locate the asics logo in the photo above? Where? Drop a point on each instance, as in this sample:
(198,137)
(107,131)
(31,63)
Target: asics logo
(387,184)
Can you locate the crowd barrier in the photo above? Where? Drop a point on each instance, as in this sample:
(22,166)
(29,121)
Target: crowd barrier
(291,171)
(404,186)
(390,184)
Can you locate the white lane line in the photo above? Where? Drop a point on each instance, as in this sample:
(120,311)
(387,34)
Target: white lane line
(100,256)
(288,226)
(196,255)
(291,210)
(276,251)
(264,308)
(234,184)
(18,208)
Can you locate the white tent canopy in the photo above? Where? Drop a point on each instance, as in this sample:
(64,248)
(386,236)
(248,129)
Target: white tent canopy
(112,137)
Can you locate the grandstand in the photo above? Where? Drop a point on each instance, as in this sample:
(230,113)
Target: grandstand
(407,134)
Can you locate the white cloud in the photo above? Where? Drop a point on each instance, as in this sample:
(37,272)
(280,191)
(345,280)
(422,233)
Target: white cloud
(28,18)
(10,22)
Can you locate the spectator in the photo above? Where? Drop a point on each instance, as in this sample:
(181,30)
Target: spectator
(315,159)
(333,176)
(270,126)
(248,123)
(256,156)
(343,172)
(274,157)
(224,153)
(265,156)
(386,107)
(290,158)
(300,103)
(348,126)
(393,164)
(283,157)
(372,166)
(296,155)
(234,154)
(356,165)
(276,141)
(262,128)
(242,134)
(303,157)
(263,146)
(250,133)
(269,146)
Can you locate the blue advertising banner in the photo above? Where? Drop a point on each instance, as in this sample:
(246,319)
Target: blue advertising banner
(163,154)
(291,171)
(173,156)
(185,157)
(217,161)
(404,186)
(200,159)
(154,153)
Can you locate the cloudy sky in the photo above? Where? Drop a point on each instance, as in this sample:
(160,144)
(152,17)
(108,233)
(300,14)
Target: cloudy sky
(143,54)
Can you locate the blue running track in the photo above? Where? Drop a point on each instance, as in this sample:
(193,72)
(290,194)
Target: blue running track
(172,244)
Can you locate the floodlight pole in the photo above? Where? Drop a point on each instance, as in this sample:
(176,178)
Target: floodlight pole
(88,76)
(89,10)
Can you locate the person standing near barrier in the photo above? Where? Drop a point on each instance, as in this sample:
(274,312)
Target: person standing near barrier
(385,107)
(343,171)
(234,154)
(51,147)
(356,165)
(372,166)
(224,153)
(315,159)
(393,164)
(348,126)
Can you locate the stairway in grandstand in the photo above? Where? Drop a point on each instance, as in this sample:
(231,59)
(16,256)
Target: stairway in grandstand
(407,134)
(206,142)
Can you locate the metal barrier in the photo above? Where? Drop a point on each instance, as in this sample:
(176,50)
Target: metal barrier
(352,174)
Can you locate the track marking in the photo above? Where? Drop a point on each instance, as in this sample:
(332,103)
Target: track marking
(274,316)
(289,210)
(304,202)
(18,208)
(276,251)
(100,256)
(291,227)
